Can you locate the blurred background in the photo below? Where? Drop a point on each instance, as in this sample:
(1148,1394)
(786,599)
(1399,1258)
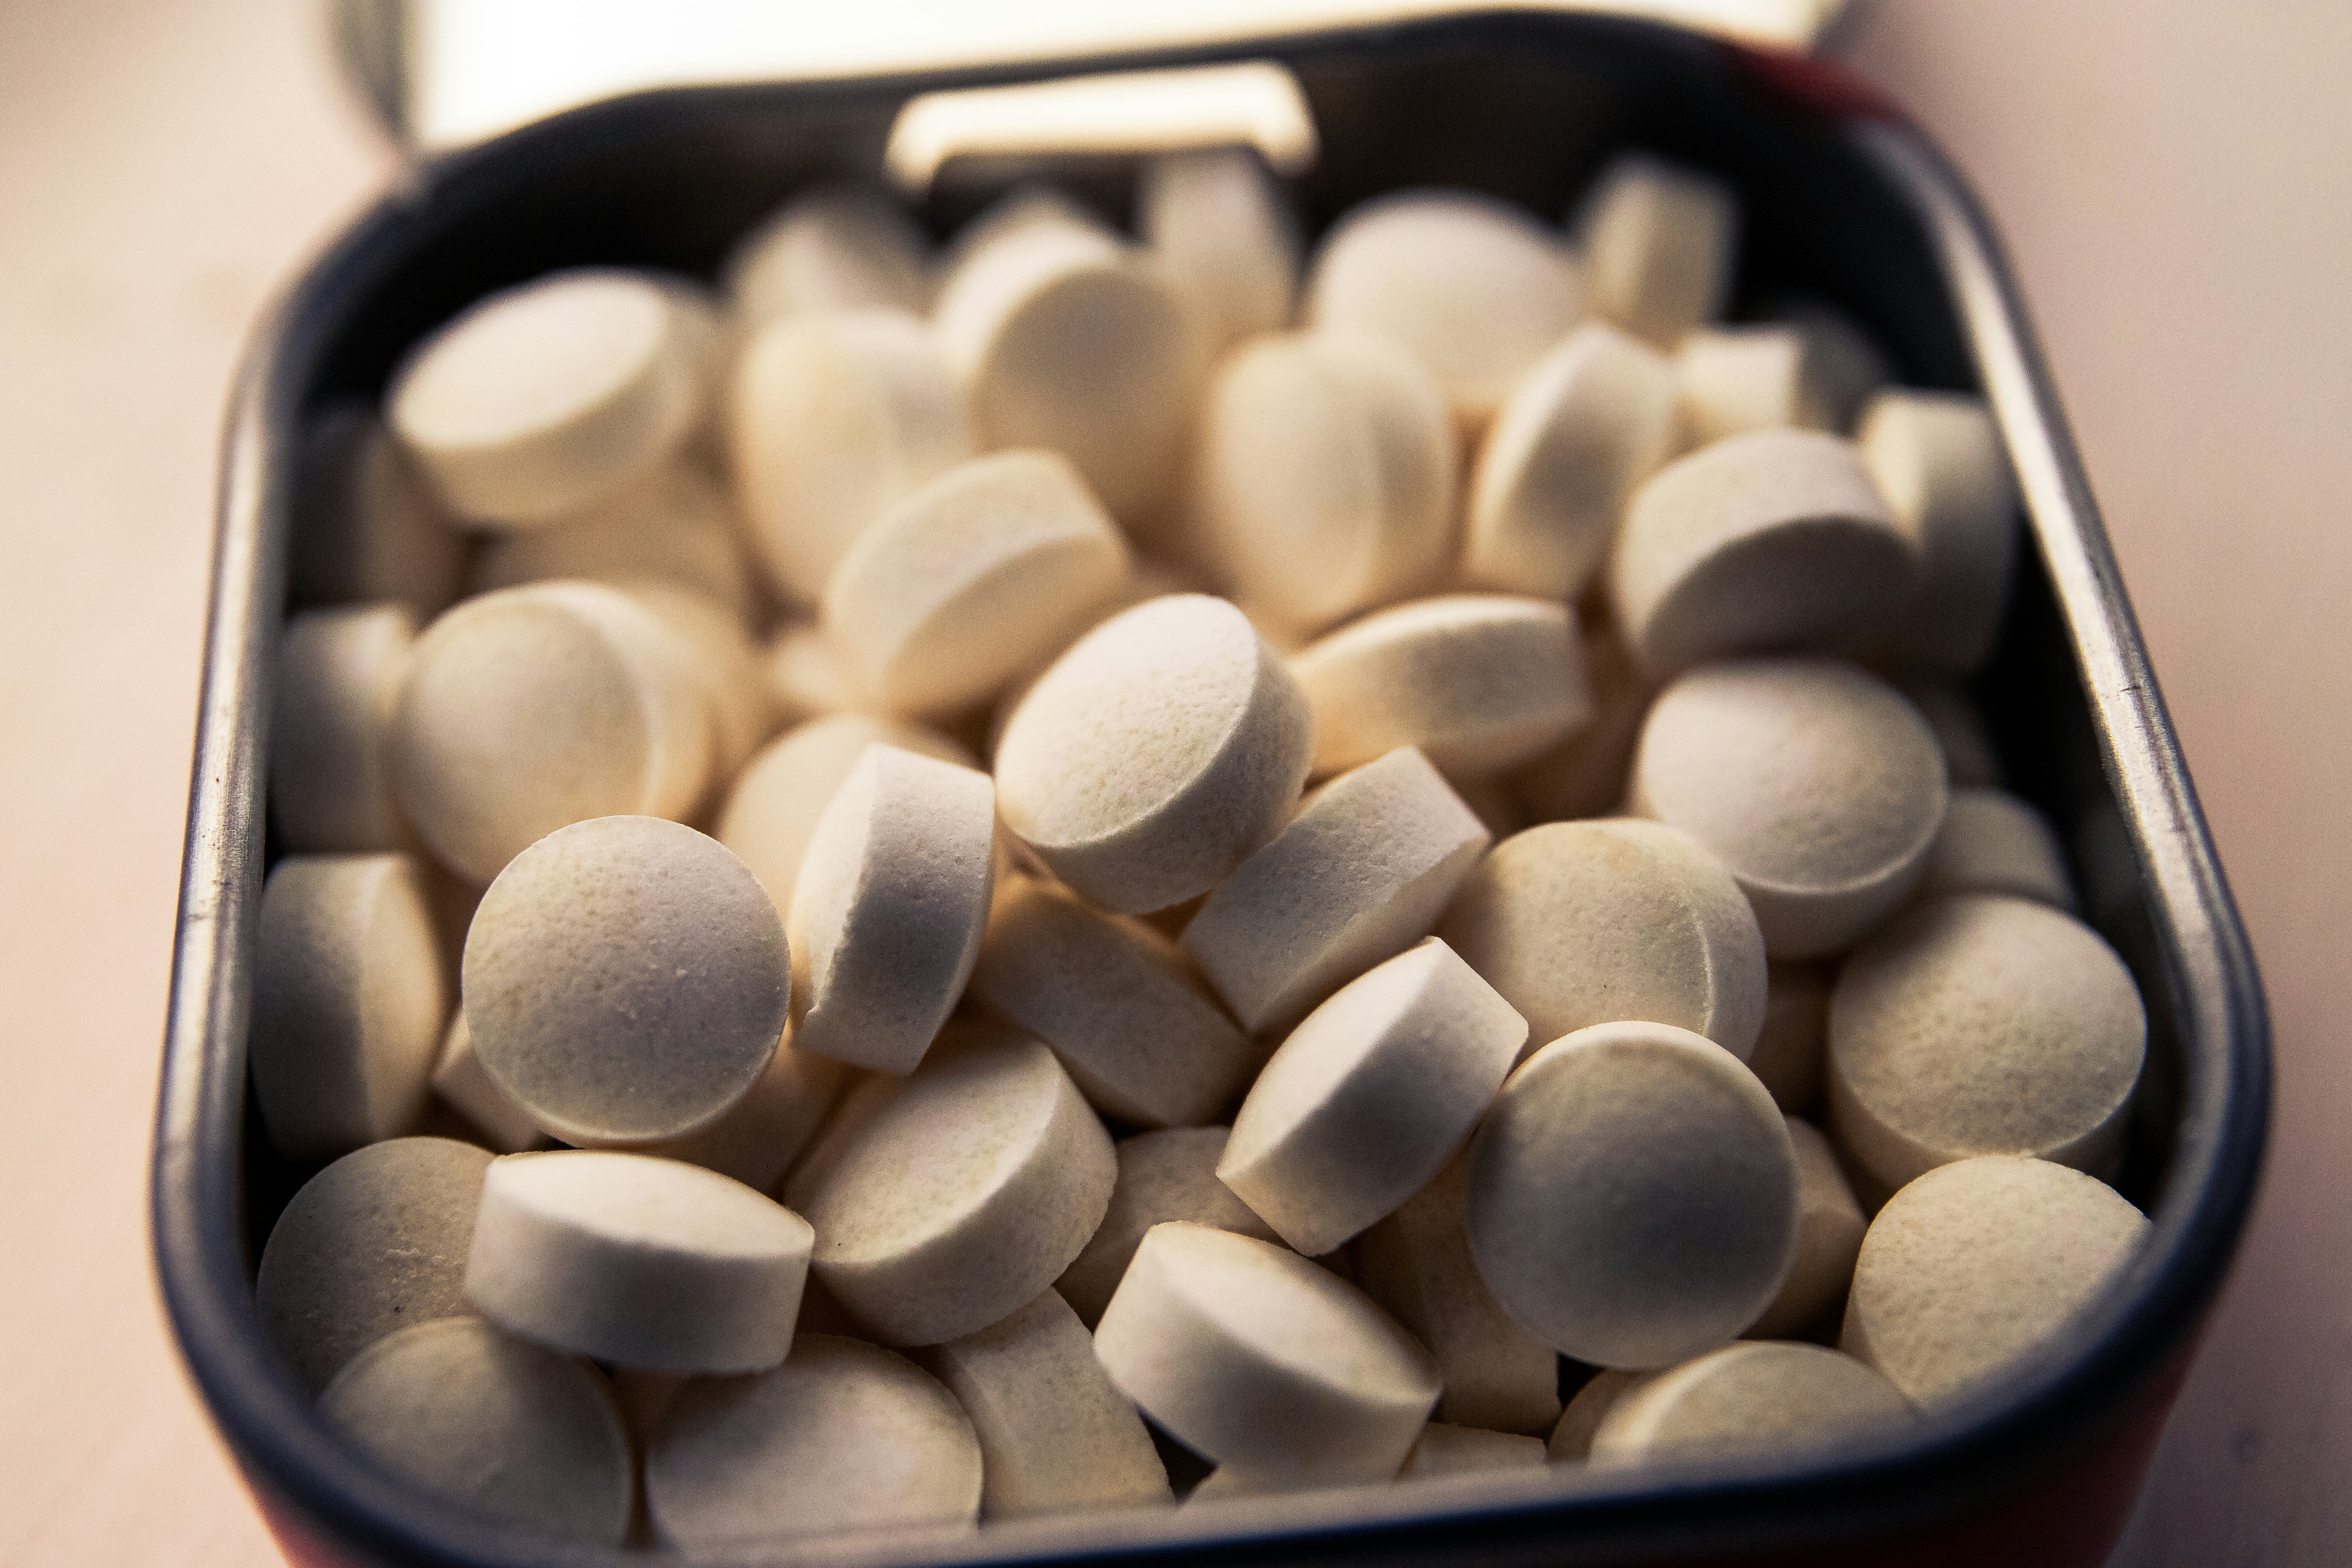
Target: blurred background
(2174,180)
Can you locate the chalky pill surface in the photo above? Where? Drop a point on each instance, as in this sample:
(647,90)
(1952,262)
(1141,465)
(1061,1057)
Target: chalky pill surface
(1216,223)
(535,707)
(339,673)
(1992,842)
(1937,458)
(541,398)
(1056,1435)
(673,525)
(1262,1361)
(1117,1002)
(1633,1195)
(625,979)
(373,1243)
(888,913)
(830,248)
(1578,923)
(1768,540)
(1984,1026)
(1323,483)
(1164,1176)
(1156,754)
(1371,1096)
(460,1079)
(1748,1399)
(1815,783)
(1829,1233)
(1592,419)
(1443,1449)
(1478,681)
(1979,1263)
(1661,244)
(1016,1175)
(369,529)
(348,1003)
(1361,873)
(526,1436)
(970,579)
(645,1262)
(1472,287)
(1793,1046)
(1736,379)
(845,1436)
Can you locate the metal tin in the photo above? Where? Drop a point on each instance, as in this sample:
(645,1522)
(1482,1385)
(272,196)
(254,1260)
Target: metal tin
(1846,201)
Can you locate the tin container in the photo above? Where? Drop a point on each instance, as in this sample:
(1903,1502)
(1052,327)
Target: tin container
(1843,201)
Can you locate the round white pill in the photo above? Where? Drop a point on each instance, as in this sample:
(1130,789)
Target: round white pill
(348,1002)
(1473,288)
(1478,681)
(1260,1359)
(367,527)
(756,1140)
(501,1428)
(1984,1026)
(1633,1195)
(1216,223)
(1815,783)
(647,1263)
(1056,1435)
(1447,1451)
(466,1086)
(1977,1265)
(339,674)
(1661,246)
(1157,754)
(1993,842)
(888,913)
(1593,419)
(1829,1233)
(1771,539)
(1117,1002)
(671,525)
(1323,484)
(1361,873)
(974,577)
(1578,923)
(1162,1175)
(965,1194)
(1937,458)
(833,247)
(374,1243)
(843,1437)
(1585,774)
(1748,1399)
(1736,379)
(626,980)
(1794,1041)
(538,400)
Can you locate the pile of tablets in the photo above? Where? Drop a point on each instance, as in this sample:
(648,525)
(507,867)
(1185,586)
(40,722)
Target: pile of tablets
(927,888)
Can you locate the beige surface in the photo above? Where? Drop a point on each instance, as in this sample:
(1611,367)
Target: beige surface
(2175,179)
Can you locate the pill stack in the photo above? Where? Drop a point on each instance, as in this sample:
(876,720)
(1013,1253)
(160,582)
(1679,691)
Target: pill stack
(1096,868)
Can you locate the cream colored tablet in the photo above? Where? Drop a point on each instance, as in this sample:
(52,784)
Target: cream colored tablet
(672,525)
(1066,337)
(1417,1263)
(758,1138)
(1829,1233)
(1794,1042)
(1586,773)
(1323,481)
(1984,1026)
(1478,681)
(805,676)
(1771,539)
(1473,288)
(1993,842)
(374,1243)
(1970,761)
(831,248)
(1361,873)
(1633,1195)
(339,674)
(832,419)
(1814,781)
(1369,1098)
(528,1436)
(1016,1175)
(645,1262)
(781,796)
(1216,223)
(1592,420)
(869,1094)
(974,577)
(543,398)
(1747,1400)
(535,707)
(887,915)
(1937,458)
(1977,1265)
(843,1437)
(1055,1436)
(1571,1440)
(1162,1175)
(626,980)
(1738,379)
(1260,1359)
(367,529)
(1115,1000)
(1447,1451)
(1846,363)
(465,1085)
(349,1003)
(1148,578)
(1661,247)
(1156,754)
(1578,923)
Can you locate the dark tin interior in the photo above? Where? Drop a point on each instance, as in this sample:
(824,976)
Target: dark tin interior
(1522,106)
